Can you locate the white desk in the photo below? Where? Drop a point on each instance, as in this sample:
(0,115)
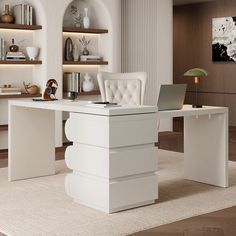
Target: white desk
(113,156)
(205,143)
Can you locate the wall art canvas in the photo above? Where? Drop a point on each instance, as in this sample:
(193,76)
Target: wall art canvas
(224,39)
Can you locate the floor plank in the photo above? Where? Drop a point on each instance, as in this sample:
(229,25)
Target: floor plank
(219,223)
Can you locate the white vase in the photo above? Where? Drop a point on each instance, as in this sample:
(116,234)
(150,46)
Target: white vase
(88,84)
(86,20)
(32,52)
(75,52)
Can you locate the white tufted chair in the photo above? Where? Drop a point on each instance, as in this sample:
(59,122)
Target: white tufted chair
(123,88)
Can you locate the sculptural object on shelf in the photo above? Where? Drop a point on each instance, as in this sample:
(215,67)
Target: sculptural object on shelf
(84,42)
(13,47)
(76,16)
(69,50)
(31,89)
(50,91)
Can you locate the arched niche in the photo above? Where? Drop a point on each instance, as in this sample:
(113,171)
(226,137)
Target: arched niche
(100,18)
(31,74)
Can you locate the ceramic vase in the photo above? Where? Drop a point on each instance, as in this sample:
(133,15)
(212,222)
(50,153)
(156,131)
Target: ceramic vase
(75,52)
(6,16)
(32,52)
(86,20)
(85,51)
(88,84)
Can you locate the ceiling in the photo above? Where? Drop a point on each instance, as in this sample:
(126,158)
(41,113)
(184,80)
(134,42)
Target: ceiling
(183,2)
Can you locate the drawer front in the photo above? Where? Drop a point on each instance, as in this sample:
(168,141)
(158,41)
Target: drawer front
(114,195)
(112,163)
(133,191)
(111,132)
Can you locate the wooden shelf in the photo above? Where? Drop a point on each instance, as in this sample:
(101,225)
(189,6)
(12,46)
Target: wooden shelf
(20,27)
(23,95)
(96,92)
(20,62)
(3,128)
(85,31)
(85,63)
(89,93)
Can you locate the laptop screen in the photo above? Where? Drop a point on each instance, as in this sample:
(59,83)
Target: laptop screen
(171,96)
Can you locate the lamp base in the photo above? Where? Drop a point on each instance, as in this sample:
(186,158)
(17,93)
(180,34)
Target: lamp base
(196,106)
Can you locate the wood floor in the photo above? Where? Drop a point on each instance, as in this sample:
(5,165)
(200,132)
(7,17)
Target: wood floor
(219,223)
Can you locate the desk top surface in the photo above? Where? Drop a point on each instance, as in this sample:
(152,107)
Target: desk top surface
(187,110)
(82,107)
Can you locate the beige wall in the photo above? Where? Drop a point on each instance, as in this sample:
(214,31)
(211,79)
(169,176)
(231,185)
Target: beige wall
(193,48)
(147,44)
(50,15)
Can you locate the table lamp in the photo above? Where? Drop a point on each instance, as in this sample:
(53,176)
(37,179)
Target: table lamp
(197,73)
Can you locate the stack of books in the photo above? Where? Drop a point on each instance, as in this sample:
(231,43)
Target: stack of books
(10,91)
(90,58)
(15,56)
(23,14)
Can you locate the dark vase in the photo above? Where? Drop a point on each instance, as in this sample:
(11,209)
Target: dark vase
(69,50)
(85,51)
(13,47)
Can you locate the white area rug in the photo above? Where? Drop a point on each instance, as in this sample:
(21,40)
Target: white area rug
(40,206)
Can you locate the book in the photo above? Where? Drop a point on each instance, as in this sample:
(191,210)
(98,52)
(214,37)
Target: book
(3,50)
(31,16)
(90,58)
(102,104)
(13,56)
(22,14)
(10,93)
(17,11)
(9,90)
(27,14)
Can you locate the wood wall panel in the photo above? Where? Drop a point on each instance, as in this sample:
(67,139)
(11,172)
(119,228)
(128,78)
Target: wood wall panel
(192,48)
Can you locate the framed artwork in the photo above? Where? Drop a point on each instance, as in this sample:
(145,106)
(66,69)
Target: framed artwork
(224,39)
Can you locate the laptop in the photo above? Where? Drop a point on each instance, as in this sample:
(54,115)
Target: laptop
(171,97)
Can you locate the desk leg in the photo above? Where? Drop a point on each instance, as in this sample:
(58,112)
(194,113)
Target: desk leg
(206,149)
(31,143)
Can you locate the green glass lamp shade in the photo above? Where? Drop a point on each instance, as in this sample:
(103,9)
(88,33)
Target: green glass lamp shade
(196,72)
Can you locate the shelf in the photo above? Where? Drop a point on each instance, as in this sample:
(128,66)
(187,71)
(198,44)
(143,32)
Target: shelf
(20,62)
(20,27)
(85,63)
(89,93)
(96,92)
(23,95)
(85,31)
(3,127)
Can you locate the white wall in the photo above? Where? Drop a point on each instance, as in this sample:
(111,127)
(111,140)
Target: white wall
(147,44)
(50,14)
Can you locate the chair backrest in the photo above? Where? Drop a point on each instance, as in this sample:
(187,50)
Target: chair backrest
(123,88)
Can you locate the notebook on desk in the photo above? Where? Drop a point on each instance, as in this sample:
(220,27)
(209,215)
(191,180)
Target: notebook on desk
(171,97)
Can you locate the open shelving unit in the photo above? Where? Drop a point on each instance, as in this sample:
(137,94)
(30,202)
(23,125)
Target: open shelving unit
(84,31)
(85,63)
(23,95)
(20,62)
(20,27)
(16,31)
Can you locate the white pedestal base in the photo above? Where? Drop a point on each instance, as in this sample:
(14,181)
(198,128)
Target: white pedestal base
(113,169)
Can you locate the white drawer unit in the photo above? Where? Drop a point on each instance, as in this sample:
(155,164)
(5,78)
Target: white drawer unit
(114,160)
